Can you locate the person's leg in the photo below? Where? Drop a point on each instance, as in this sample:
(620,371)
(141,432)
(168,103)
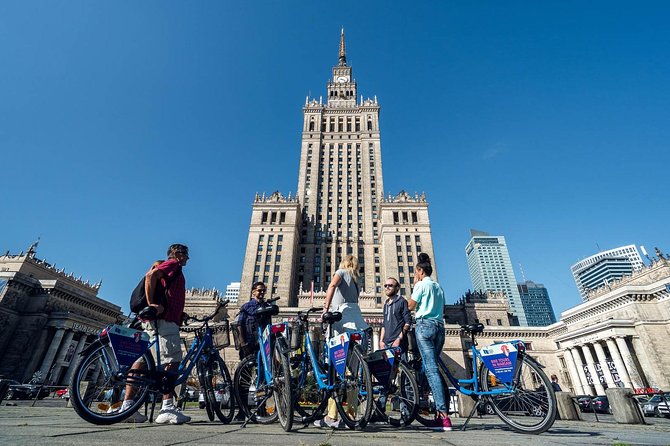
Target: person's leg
(171,356)
(427,337)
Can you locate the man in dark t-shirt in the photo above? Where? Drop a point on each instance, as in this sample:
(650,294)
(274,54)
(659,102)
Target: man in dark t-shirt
(397,317)
(248,322)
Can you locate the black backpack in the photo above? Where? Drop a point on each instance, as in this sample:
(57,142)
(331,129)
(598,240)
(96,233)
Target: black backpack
(138,298)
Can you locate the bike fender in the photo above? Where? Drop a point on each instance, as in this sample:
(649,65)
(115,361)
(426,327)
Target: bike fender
(95,344)
(534,361)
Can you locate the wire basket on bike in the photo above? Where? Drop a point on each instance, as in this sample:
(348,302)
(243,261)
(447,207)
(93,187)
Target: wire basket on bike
(221,334)
(234,328)
(297,333)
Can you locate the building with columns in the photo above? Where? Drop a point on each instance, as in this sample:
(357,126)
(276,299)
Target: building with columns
(47,317)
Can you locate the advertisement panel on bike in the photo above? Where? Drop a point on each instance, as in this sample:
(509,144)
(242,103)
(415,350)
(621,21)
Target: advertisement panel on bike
(338,347)
(500,359)
(128,344)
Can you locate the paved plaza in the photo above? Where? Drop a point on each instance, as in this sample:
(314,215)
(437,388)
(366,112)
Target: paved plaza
(53,424)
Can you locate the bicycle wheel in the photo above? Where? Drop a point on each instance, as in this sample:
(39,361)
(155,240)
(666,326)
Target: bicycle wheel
(426,411)
(399,403)
(251,392)
(281,383)
(354,393)
(220,391)
(310,400)
(97,393)
(205,387)
(530,405)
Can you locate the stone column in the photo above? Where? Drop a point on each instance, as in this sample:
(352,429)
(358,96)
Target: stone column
(574,375)
(580,371)
(600,390)
(69,334)
(37,354)
(51,353)
(629,363)
(602,360)
(75,359)
(618,363)
(652,372)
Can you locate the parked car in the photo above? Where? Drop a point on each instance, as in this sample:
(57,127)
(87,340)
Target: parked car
(18,391)
(220,396)
(584,402)
(601,404)
(664,408)
(192,394)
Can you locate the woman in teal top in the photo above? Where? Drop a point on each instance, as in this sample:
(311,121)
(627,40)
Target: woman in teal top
(428,300)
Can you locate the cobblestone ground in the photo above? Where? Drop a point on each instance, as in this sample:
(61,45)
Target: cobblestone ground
(50,423)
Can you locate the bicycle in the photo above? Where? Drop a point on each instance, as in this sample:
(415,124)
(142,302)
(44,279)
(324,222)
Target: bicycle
(394,387)
(263,381)
(505,378)
(108,365)
(337,371)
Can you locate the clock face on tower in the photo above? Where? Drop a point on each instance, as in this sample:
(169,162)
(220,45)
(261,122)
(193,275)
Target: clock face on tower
(342,79)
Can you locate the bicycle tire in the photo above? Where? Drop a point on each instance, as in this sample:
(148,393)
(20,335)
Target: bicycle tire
(310,399)
(101,401)
(426,411)
(281,383)
(205,387)
(403,393)
(355,394)
(525,410)
(246,377)
(218,375)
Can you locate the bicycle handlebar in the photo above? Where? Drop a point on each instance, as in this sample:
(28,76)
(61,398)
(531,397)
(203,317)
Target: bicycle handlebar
(220,304)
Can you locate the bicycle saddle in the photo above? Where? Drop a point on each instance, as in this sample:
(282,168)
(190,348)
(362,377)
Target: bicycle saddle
(473,328)
(148,314)
(332,316)
(269,310)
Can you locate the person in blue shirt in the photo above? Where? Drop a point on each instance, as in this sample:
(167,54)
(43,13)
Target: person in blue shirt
(247,321)
(428,301)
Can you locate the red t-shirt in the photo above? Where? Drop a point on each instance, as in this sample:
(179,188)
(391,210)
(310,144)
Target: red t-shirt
(176,294)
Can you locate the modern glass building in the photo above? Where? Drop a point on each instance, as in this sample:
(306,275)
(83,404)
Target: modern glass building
(491,269)
(536,304)
(600,269)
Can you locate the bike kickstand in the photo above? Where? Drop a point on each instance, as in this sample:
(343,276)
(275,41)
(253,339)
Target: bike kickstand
(472,412)
(253,414)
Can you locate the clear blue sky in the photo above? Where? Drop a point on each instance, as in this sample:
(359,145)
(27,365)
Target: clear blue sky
(126,126)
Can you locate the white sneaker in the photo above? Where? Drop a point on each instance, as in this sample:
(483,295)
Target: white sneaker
(136,417)
(171,416)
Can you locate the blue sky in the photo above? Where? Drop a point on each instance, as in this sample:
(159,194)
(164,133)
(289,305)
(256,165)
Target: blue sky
(126,126)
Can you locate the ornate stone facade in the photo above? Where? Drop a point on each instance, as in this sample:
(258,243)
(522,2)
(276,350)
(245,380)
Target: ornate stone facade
(47,317)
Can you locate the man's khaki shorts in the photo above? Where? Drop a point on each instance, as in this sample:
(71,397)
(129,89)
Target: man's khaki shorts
(169,341)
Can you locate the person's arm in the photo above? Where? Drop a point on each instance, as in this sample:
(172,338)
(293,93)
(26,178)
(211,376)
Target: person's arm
(331,291)
(416,296)
(150,284)
(407,317)
(381,340)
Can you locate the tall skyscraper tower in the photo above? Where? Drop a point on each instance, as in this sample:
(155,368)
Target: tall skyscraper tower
(491,269)
(339,207)
(599,269)
(536,304)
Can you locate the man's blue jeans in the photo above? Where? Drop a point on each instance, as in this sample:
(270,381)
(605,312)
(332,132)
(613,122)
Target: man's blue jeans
(430,339)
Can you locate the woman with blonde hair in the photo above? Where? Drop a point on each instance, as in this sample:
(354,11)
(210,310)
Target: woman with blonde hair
(342,296)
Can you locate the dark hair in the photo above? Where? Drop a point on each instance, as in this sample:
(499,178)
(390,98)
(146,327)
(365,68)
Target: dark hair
(176,248)
(424,264)
(257,284)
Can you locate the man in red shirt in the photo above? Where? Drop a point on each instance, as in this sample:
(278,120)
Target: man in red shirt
(170,314)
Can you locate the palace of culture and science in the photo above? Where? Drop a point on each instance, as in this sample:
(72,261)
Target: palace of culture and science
(339,208)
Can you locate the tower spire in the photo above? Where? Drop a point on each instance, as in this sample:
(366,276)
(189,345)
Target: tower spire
(343,54)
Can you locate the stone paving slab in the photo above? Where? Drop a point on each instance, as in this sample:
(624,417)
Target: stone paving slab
(59,426)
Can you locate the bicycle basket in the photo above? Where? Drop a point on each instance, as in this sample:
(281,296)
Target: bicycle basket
(221,334)
(236,334)
(297,331)
(412,346)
